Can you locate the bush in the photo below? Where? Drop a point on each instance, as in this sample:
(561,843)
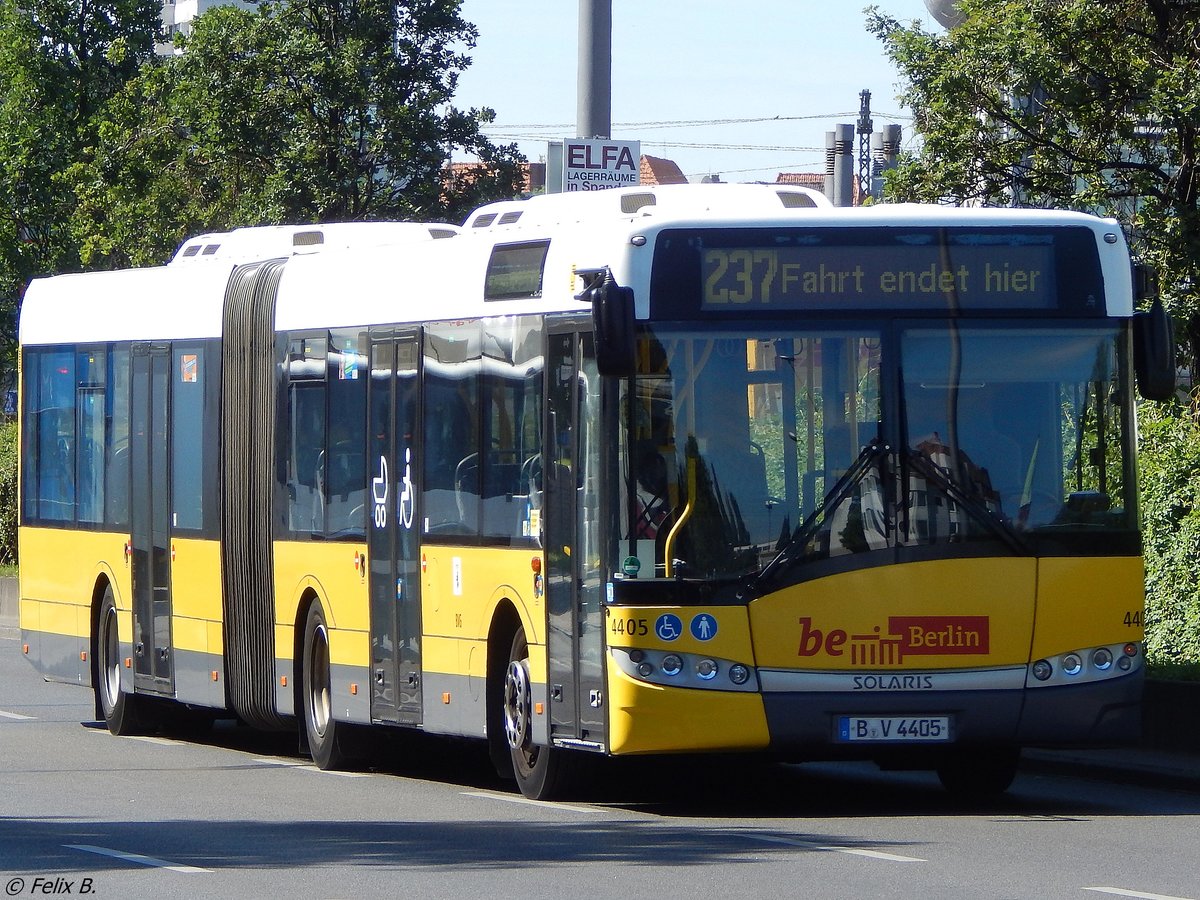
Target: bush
(8,493)
(1169,463)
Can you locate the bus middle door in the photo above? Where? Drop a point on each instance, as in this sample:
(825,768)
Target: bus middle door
(395,582)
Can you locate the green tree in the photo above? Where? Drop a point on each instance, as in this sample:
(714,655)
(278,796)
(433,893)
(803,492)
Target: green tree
(300,111)
(1092,105)
(60,62)
(1086,104)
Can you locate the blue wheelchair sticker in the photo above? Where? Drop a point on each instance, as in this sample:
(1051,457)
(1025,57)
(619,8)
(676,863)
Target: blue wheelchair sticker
(668,627)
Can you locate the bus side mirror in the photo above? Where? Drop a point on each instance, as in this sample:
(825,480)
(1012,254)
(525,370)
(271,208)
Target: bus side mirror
(1154,353)
(613,321)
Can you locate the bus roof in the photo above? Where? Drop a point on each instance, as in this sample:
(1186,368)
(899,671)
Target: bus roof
(274,241)
(338,275)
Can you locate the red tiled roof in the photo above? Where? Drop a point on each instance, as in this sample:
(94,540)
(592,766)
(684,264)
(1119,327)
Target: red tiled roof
(656,170)
(803,179)
(534,174)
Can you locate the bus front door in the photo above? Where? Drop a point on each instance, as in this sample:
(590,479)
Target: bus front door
(395,575)
(574,583)
(149,518)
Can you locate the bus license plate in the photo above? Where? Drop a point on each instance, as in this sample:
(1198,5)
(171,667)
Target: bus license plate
(894,729)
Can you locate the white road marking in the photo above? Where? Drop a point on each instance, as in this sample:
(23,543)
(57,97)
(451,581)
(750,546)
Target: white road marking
(11,715)
(1142,895)
(541,804)
(136,858)
(150,739)
(144,738)
(293,764)
(853,851)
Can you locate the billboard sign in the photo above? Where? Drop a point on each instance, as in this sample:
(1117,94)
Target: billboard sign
(593,165)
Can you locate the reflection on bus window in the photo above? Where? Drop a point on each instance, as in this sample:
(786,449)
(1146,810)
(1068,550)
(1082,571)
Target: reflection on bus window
(728,462)
(345,456)
(512,432)
(116,498)
(190,375)
(778,444)
(91,370)
(1025,424)
(451,458)
(51,406)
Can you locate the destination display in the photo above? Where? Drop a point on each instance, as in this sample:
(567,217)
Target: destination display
(761,271)
(855,277)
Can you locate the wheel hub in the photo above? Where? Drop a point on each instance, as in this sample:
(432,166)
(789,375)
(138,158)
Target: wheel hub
(516,705)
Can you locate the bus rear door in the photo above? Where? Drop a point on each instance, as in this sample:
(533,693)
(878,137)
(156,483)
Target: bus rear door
(149,518)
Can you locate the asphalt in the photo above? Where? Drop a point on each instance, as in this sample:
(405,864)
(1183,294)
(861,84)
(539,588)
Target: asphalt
(1152,767)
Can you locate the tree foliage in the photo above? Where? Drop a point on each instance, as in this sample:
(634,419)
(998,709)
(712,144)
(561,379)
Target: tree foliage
(1085,104)
(1091,105)
(61,61)
(301,111)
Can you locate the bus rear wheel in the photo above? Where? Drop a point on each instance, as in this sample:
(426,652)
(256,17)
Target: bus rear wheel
(321,730)
(119,709)
(542,772)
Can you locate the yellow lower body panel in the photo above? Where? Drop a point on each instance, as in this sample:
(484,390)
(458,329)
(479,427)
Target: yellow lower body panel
(62,567)
(646,718)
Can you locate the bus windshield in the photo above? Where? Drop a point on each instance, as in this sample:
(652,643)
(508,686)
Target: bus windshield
(747,447)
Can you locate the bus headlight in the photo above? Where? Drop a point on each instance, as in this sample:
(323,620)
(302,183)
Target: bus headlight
(1086,665)
(684,670)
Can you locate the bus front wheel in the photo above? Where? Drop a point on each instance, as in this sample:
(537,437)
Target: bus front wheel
(542,772)
(979,774)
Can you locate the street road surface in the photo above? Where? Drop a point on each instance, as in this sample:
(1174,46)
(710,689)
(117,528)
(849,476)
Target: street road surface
(239,813)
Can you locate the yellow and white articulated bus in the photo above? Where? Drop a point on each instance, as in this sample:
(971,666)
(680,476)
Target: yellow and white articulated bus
(640,471)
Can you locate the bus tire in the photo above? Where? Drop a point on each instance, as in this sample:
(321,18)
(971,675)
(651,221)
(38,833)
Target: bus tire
(542,772)
(320,727)
(121,711)
(979,774)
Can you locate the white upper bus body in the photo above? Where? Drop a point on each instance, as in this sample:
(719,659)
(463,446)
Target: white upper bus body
(383,273)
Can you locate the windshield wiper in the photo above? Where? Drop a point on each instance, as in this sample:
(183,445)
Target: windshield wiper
(793,549)
(974,507)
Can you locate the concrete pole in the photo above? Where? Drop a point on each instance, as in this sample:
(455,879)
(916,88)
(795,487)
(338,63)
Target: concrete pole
(594,97)
(843,166)
(885,148)
(830,153)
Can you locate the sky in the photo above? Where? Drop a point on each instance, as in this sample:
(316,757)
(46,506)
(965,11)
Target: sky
(794,68)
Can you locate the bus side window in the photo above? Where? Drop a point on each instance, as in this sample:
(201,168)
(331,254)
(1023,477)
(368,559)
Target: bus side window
(512,432)
(305,470)
(451,461)
(452,435)
(116,453)
(50,414)
(345,459)
(190,438)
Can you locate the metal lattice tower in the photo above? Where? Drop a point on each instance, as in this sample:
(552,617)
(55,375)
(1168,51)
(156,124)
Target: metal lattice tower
(866,126)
